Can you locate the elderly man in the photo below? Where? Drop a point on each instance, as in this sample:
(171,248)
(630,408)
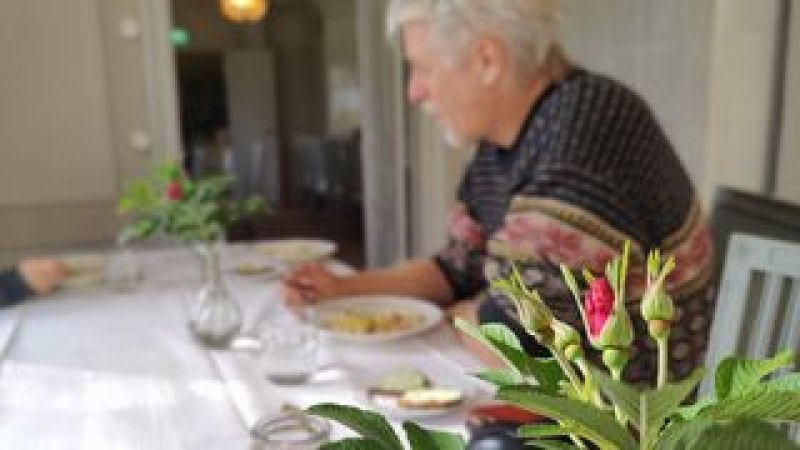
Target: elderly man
(568,165)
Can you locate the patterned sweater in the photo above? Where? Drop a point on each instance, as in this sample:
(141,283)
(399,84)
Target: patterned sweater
(590,168)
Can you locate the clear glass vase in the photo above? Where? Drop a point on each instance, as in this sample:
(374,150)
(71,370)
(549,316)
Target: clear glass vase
(215,318)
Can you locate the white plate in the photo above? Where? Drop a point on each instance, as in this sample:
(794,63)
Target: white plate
(388,404)
(84,270)
(428,315)
(297,250)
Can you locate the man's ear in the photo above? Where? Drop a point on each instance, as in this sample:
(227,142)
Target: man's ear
(493,59)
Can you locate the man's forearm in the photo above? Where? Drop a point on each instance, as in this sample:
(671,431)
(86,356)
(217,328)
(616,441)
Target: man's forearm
(418,278)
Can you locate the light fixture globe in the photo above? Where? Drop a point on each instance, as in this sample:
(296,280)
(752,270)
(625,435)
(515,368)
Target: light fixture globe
(244,11)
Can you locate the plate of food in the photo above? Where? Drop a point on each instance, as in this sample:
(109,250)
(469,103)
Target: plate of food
(408,393)
(295,251)
(84,270)
(252,269)
(376,318)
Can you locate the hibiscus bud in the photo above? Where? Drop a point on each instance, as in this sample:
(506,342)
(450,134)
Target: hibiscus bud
(598,304)
(174,190)
(659,329)
(617,331)
(534,315)
(657,305)
(567,340)
(616,359)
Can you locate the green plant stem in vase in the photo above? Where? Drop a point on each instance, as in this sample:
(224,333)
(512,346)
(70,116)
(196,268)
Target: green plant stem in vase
(196,213)
(215,318)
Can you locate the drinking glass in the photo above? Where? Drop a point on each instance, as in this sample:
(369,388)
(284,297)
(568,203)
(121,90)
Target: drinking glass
(290,431)
(123,272)
(290,349)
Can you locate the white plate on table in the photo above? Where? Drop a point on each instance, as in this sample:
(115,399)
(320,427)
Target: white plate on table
(384,318)
(388,404)
(296,251)
(84,270)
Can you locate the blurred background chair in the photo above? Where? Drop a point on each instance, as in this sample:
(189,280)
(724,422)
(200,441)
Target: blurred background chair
(738,211)
(758,308)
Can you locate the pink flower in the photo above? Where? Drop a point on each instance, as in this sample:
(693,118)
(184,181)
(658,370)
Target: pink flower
(598,303)
(174,190)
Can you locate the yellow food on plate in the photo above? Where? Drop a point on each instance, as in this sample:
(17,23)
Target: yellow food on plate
(370,322)
(397,382)
(252,269)
(430,398)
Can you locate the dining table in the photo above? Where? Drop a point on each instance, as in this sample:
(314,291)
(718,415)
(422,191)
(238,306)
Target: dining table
(95,366)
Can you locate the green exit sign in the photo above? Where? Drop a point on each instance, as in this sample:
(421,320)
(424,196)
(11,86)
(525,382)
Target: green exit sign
(180,37)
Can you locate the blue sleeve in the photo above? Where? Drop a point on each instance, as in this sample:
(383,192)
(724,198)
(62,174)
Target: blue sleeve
(13,288)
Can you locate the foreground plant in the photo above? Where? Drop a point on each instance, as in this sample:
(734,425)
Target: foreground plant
(595,408)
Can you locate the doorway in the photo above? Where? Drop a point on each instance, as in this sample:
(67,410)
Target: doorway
(277,103)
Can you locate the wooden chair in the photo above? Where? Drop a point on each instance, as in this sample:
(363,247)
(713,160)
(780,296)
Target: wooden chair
(758,308)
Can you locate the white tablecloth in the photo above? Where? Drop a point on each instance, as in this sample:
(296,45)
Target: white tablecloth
(98,369)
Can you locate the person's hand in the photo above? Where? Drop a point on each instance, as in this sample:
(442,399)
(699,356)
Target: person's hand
(42,274)
(309,284)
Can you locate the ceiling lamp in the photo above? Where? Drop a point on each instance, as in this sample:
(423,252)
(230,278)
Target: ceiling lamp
(244,10)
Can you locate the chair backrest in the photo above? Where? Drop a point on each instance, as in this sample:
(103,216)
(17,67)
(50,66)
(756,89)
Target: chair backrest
(737,211)
(758,308)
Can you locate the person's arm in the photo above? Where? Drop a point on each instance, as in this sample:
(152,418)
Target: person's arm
(418,278)
(31,277)
(13,288)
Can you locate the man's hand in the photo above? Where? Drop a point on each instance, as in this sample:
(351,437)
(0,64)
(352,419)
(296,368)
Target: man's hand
(309,284)
(42,274)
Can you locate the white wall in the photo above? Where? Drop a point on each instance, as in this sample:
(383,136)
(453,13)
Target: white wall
(788,186)
(54,127)
(707,68)
(743,72)
(81,112)
(660,49)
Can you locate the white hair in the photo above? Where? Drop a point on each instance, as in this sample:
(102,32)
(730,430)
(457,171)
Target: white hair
(529,27)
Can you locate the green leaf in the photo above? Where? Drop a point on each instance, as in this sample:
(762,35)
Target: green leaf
(551,445)
(499,334)
(504,343)
(692,411)
(423,439)
(789,382)
(589,422)
(545,430)
(140,228)
(625,397)
(759,403)
(368,424)
(511,354)
(736,375)
(138,196)
(352,444)
(499,377)
(747,434)
(169,170)
(212,188)
(548,373)
(680,435)
(659,404)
